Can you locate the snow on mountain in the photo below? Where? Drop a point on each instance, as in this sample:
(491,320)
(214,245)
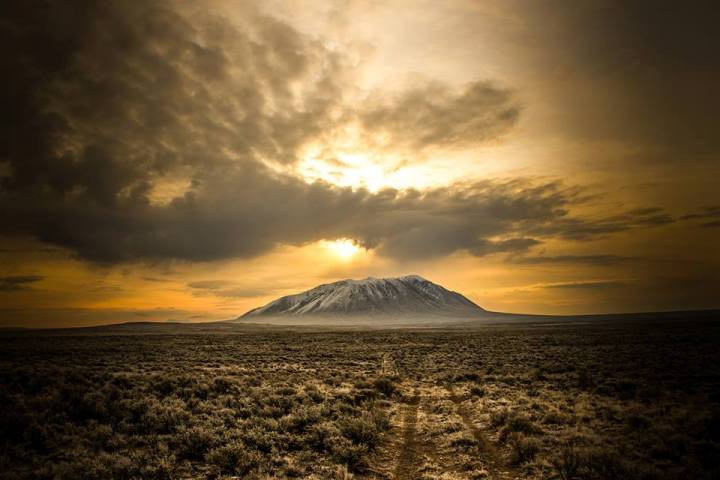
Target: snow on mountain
(408,295)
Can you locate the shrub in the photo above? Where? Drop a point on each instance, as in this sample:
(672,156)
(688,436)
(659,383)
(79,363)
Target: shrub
(477,391)
(222,385)
(467,377)
(567,463)
(234,459)
(260,439)
(165,417)
(285,391)
(345,452)
(463,441)
(522,448)
(593,465)
(380,419)
(385,386)
(322,436)
(498,418)
(300,419)
(162,469)
(193,443)
(363,395)
(605,465)
(556,418)
(361,431)
(518,424)
(315,395)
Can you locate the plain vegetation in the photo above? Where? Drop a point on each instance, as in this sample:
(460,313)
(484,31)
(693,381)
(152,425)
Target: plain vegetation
(610,401)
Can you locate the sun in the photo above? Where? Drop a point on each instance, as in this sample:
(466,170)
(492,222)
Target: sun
(344,248)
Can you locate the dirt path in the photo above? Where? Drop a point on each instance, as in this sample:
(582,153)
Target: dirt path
(387,366)
(419,446)
(409,460)
(495,466)
(416,451)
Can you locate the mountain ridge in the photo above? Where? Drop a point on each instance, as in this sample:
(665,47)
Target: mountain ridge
(409,295)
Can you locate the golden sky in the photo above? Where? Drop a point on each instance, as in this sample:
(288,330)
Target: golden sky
(190,161)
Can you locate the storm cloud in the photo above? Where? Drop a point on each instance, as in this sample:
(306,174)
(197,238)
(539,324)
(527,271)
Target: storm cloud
(432,115)
(18,282)
(593,259)
(145,131)
(587,284)
(709,216)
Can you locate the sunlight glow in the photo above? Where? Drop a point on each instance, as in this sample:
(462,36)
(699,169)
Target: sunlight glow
(344,248)
(351,158)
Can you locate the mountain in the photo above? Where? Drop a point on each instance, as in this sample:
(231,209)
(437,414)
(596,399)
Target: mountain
(409,296)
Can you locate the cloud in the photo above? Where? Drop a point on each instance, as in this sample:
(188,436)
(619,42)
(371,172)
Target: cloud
(710,216)
(582,229)
(591,284)
(155,279)
(111,104)
(209,284)
(18,282)
(705,212)
(108,102)
(231,217)
(433,115)
(597,259)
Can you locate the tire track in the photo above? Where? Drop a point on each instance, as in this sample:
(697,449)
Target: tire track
(387,366)
(409,460)
(495,466)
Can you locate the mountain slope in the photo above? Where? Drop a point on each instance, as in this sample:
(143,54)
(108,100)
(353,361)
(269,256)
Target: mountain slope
(404,296)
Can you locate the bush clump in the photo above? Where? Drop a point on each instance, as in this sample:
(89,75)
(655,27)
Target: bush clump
(522,448)
(234,459)
(595,464)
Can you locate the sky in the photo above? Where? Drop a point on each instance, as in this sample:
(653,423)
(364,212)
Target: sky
(188,161)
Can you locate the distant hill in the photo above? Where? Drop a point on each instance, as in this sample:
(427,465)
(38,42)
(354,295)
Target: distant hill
(404,297)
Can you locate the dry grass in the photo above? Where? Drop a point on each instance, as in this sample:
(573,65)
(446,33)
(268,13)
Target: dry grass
(591,402)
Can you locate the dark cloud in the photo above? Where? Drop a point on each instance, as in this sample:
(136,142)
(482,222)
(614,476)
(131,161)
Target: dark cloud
(583,229)
(106,96)
(110,104)
(107,102)
(209,284)
(50,250)
(18,282)
(597,259)
(709,216)
(513,245)
(156,279)
(591,284)
(433,115)
(705,212)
